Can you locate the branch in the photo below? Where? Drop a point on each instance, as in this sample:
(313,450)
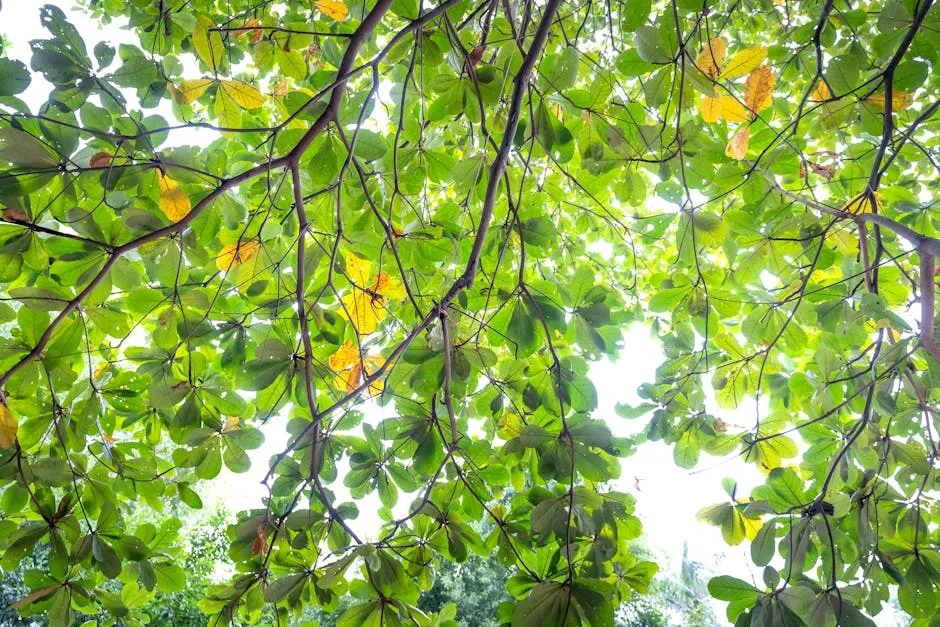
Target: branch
(922,243)
(927,305)
(466,279)
(520,84)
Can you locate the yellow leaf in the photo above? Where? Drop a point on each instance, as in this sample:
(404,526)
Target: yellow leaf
(737,147)
(745,62)
(866,202)
(732,110)
(388,286)
(235,253)
(174,203)
(334,8)
(358,270)
(348,363)
(821,92)
(244,95)
(365,304)
(712,57)
(231,424)
(189,91)
(208,44)
(898,101)
(348,380)
(364,310)
(8,427)
(345,357)
(759,89)
(710,108)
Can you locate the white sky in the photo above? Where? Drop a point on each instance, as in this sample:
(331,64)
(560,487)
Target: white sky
(669,496)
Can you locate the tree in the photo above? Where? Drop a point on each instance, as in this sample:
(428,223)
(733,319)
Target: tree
(449,210)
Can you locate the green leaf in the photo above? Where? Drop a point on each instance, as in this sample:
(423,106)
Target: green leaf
(20,148)
(650,46)
(370,146)
(739,594)
(14,77)
(292,63)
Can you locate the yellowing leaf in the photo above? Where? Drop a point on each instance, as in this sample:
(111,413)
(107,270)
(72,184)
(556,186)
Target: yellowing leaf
(235,253)
(751,526)
(349,363)
(710,108)
(388,286)
(174,203)
(898,101)
(509,426)
(712,57)
(244,95)
(8,427)
(365,304)
(759,89)
(769,453)
(208,44)
(248,27)
(334,8)
(189,91)
(226,110)
(745,62)
(866,202)
(231,424)
(732,110)
(821,92)
(346,357)
(364,310)
(737,147)
(358,270)
(280,89)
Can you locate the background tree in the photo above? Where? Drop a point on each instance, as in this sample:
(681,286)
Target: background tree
(447,211)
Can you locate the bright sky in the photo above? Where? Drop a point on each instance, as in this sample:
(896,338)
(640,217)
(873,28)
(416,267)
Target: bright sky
(668,497)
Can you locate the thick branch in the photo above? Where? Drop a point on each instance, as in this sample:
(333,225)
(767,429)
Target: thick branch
(928,305)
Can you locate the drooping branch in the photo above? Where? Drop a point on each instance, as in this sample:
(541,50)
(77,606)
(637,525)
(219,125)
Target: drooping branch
(928,248)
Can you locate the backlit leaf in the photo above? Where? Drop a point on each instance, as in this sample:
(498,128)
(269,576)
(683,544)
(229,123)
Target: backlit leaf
(758,89)
(737,147)
(174,203)
(336,9)
(744,62)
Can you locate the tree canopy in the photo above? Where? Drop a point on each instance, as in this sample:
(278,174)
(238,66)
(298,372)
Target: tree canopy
(449,210)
